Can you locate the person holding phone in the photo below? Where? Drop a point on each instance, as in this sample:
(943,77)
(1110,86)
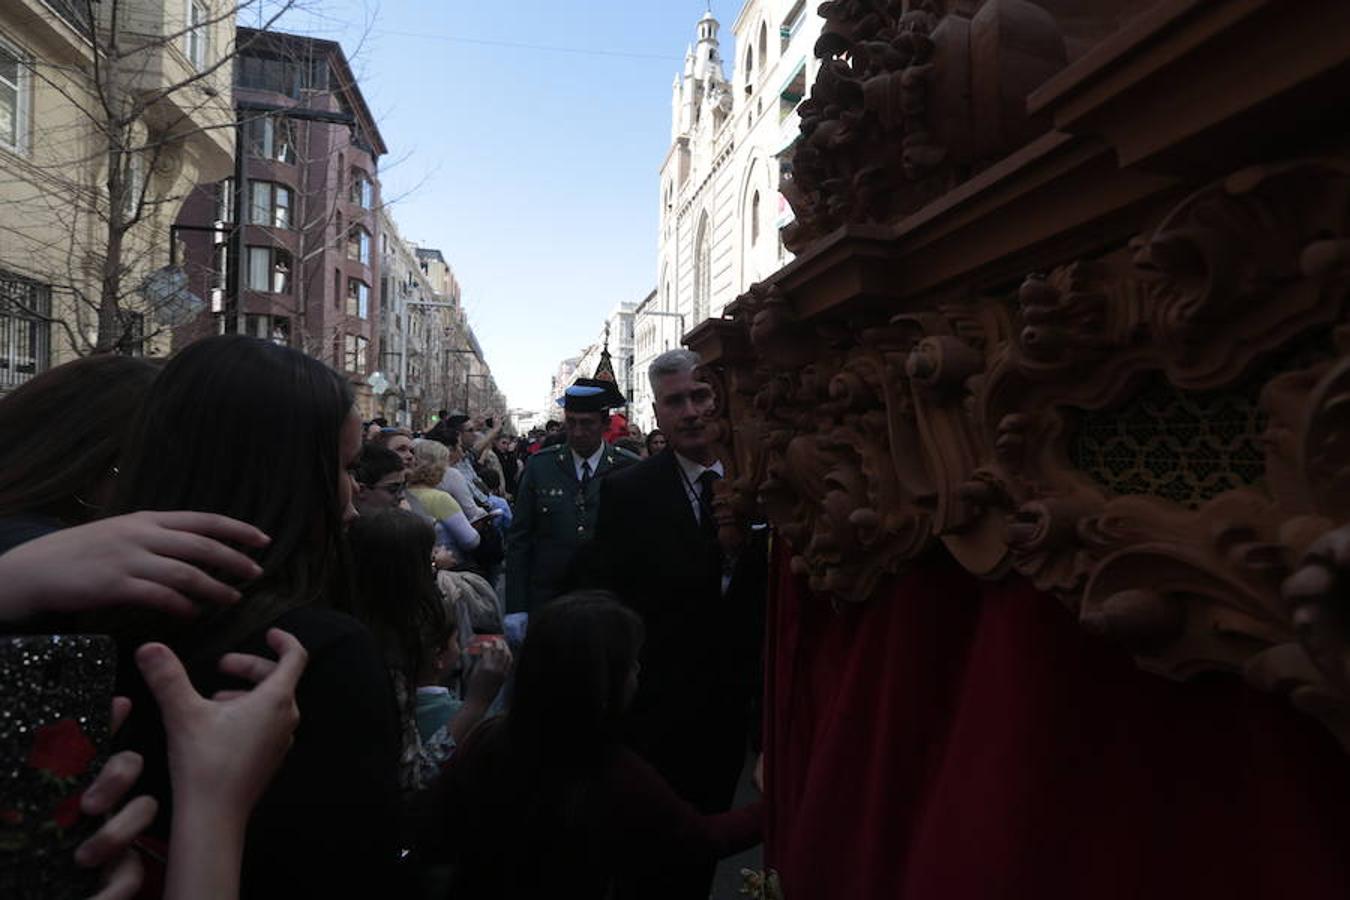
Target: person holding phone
(223,751)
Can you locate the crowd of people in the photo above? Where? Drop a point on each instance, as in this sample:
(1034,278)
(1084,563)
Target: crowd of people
(354,660)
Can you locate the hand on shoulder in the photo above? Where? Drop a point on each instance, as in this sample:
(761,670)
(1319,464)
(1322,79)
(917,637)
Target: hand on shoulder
(154,559)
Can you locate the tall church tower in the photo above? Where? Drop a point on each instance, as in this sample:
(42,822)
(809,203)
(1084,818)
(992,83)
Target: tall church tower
(708,57)
(701,91)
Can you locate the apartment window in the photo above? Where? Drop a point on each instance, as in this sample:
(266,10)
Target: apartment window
(362,190)
(358,245)
(269,204)
(13,99)
(271,137)
(198,34)
(337,289)
(263,73)
(269,270)
(355,356)
(25,331)
(358,298)
(276,329)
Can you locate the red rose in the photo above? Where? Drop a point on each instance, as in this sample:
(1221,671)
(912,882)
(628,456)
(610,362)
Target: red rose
(67,812)
(61,749)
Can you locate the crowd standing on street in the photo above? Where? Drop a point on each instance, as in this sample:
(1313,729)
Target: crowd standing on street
(355,660)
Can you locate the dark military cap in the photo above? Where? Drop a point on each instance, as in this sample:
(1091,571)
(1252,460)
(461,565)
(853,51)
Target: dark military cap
(591,395)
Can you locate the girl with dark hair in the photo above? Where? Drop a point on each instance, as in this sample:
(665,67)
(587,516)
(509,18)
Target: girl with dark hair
(265,434)
(656,441)
(399,440)
(583,812)
(396,596)
(60,435)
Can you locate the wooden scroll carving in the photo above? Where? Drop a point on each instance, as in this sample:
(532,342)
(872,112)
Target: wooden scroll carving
(910,100)
(1158,434)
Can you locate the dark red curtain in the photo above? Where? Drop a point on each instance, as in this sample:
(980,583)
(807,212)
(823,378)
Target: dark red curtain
(963,739)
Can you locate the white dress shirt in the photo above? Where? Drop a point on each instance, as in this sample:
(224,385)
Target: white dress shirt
(594,460)
(692,473)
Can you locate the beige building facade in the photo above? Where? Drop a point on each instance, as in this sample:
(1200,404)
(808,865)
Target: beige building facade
(72,235)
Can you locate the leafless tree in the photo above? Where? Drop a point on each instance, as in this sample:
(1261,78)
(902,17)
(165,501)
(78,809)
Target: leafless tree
(106,174)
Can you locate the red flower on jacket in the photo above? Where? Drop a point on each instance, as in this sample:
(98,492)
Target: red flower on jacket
(62,749)
(67,812)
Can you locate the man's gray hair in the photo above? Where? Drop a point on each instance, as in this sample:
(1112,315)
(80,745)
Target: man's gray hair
(672,362)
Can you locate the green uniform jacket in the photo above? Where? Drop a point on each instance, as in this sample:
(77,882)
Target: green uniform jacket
(551,521)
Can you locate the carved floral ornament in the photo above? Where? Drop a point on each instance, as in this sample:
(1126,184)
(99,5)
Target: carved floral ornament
(911,98)
(1159,435)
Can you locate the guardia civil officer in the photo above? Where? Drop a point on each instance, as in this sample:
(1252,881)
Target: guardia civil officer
(559,494)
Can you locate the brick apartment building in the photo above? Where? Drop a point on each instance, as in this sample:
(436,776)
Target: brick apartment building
(308,263)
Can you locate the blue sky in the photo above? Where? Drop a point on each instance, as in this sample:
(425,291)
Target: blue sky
(534,171)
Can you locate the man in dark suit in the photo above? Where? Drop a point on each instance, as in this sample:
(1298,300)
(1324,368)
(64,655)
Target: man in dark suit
(703,609)
(558,495)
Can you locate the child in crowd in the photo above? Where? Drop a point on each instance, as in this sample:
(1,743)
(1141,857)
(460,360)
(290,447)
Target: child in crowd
(396,596)
(585,816)
(442,715)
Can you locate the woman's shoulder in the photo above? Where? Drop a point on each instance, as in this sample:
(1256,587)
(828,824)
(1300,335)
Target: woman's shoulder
(438,502)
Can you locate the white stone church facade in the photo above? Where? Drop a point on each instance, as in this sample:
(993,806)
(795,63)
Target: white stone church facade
(720,210)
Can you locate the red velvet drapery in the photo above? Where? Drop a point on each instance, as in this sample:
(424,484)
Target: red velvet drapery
(963,739)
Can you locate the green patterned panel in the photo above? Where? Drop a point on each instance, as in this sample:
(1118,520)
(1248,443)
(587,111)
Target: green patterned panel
(1185,447)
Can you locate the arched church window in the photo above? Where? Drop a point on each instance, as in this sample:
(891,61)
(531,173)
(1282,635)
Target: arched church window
(749,69)
(763,44)
(702,270)
(754,219)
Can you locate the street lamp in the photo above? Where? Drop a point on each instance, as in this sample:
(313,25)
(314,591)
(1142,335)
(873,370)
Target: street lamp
(403,340)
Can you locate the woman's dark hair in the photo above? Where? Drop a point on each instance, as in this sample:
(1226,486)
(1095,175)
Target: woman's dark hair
(535,773)
(395,593)
(572,678)
(375,462)
(62,431)
(653,435)
(246,428)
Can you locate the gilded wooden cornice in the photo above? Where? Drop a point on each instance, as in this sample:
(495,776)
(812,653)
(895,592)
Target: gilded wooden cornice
(1129,383)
